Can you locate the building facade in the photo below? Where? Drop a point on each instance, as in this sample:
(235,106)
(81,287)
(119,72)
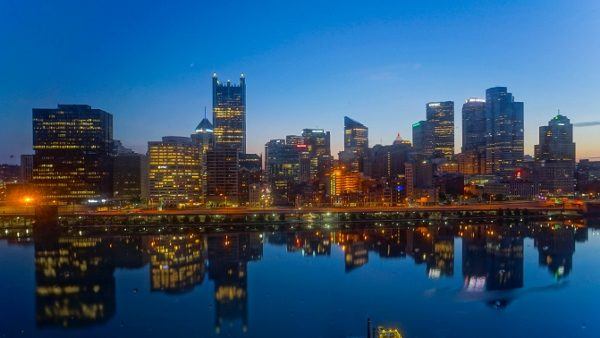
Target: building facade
(229,114)
(222,164)
(504,132)
(555,157)
(440,116)
(174,176)
(72,145)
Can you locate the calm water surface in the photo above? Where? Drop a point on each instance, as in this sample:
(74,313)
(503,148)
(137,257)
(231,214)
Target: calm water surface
(529,280)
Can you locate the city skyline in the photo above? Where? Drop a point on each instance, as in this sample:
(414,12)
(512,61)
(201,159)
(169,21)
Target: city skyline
(379,67)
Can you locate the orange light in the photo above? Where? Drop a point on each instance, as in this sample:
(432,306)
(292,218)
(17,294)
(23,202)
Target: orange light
(27,199)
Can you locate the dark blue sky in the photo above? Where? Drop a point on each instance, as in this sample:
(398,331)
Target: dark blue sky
(307,63)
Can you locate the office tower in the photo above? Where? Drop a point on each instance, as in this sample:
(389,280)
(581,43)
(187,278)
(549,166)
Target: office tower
(72,145)
(473,125)
(174,172)
(504,132)
(26,168)
(422,139)
(282,170)
(222,165)
(130,181)
(356,136)
(356,143)
(249,177)
(203,135)
(318,147)
(440,116)
(229,114)
(555,157)
(343,181)
(203,138)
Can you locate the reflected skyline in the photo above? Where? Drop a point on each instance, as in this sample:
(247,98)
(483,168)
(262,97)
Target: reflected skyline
(75,283)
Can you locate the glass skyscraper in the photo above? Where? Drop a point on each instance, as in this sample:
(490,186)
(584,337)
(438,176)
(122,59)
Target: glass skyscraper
(504,132)
(473,125)
(229,114)
(555,156)
(440,116)
(72,145)
(356,136)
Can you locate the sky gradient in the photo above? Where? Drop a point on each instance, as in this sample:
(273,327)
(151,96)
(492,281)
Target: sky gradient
(307,64)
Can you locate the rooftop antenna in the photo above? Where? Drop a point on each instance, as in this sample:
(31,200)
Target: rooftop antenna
(204,111)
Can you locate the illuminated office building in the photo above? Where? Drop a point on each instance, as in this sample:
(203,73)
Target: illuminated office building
(174,176)
(343,181)
(318,147)
(504,132)
(356,141)
(229,114)
(555,157)
(440,117)
(72,145)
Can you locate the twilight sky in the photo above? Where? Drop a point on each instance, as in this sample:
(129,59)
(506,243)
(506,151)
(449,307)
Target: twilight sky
(307,63)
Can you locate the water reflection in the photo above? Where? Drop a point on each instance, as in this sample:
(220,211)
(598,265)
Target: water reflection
(75,283)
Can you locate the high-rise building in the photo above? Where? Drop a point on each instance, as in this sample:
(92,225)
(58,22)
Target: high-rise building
(174,171)
(72,145)
(222,164)
(421,138)
(130,181)
(249,177)
(555,157)
(356,143)
(229,114)
(440,116)
(282,169)
(504,132)
(26,168)
(356,136)
(473,125)
(203,138)
(318,147)
(203,135)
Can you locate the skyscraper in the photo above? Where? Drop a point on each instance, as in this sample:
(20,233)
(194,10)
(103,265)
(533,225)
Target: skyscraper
(440,115)
(222,164)
(229,114)
(282,167)
(203,138)
(473,125)
(356,136)
(174,171)
(555,156)
(504,132)
(356,144)
(421,138)
(318,147)
(72,145)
